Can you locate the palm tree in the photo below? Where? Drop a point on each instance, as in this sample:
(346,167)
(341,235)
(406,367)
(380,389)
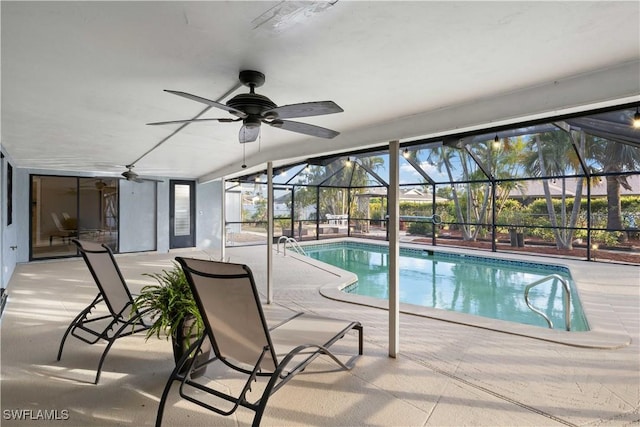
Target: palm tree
(505,164)
(443,157)
(330,201)
(615,157)
(501,162)
(552,154)
(337,178)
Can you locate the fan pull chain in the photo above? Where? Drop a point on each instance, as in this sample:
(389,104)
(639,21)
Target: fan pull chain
(244,158)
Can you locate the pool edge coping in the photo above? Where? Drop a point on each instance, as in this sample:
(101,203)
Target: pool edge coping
(605,329)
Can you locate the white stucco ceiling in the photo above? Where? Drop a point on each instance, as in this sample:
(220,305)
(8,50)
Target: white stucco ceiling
(80,80)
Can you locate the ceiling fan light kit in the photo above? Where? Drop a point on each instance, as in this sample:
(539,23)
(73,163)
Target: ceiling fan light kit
(254,109)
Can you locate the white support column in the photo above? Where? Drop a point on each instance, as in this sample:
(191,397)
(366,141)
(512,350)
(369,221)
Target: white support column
(269,231)
(223,220)
(394,248)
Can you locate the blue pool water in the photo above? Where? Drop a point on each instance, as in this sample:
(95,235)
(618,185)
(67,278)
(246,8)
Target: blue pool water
(469,284)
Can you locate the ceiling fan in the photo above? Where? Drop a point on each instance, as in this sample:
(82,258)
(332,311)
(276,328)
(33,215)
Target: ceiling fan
(254,109)
(130,175)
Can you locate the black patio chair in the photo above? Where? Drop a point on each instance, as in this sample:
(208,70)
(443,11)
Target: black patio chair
(235,325)
(113,293)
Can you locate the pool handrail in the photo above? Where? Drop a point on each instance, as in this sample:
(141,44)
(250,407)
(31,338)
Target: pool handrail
(294,245)
(566,299)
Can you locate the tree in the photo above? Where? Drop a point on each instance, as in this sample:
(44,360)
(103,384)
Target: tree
(336,179)
(552,154)
(443,157)
(615,157)
(501,162)
(505,163)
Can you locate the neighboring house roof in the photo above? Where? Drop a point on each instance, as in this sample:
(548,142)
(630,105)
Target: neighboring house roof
(406,195)
(535,188)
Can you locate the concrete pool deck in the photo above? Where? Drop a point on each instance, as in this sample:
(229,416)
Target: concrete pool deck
(446,374)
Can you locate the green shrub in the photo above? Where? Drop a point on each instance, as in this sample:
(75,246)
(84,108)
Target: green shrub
(416,208)
(606,238)
(375,209)
(420,228)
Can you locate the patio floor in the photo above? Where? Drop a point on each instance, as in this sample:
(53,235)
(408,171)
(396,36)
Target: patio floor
(446,374)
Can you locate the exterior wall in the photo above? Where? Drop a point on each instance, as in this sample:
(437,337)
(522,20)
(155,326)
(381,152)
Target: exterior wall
(8,233)
(21,205)
(137,216)
(162,218)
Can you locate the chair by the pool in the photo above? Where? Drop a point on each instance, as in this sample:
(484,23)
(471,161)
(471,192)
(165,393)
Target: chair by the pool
(114,295)
(235,325)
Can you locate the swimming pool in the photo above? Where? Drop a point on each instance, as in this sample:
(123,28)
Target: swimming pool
(469,284)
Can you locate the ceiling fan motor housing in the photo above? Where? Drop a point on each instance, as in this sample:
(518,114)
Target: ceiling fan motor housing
(251,103)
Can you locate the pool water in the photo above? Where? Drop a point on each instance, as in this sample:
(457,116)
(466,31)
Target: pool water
(469,284)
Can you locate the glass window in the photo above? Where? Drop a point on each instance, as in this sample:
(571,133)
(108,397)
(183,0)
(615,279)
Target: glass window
(182,210)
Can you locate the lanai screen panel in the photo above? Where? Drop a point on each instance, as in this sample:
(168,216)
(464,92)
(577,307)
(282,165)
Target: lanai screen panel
(500,156)
(375,171)
(610,156)
(449,164)
(290,175)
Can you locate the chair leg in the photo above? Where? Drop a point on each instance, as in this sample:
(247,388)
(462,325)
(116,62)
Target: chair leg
(173,377)
(271,386)
(64,339)
(104,355)
(111,341)
(163,401)
(257,418)
(268,390)
(70,328)
(73,323)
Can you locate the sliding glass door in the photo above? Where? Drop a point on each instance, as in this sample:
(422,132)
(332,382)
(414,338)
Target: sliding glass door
(64,208)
